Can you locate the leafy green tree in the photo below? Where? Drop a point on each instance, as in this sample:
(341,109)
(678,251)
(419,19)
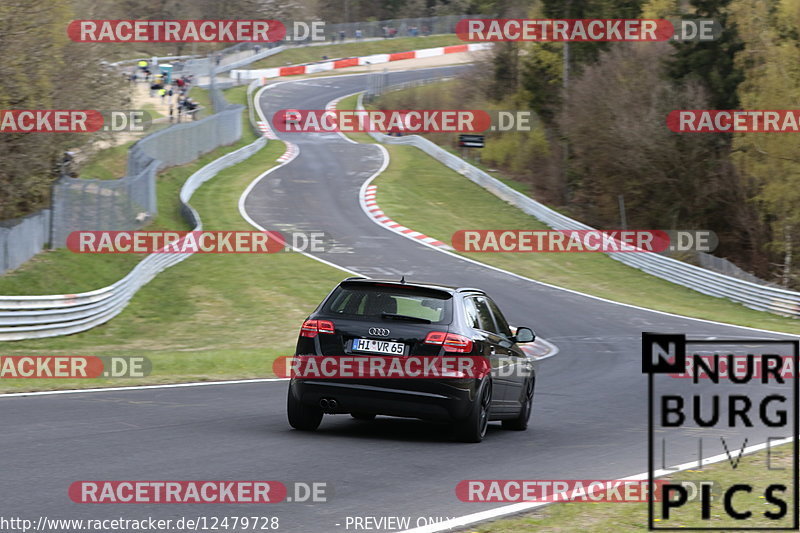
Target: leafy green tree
(543,67)
(42,69)
(713,63)
(619,145)
(771,80)
(541,77)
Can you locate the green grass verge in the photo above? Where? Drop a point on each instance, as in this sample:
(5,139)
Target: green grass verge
(351,103)
(442,95)
(307,54)
(237,95)
(108,164)
(590,517)
(202,97)
(151,110)
(422,194)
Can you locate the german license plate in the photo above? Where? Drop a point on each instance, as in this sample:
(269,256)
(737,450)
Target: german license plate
(372,345)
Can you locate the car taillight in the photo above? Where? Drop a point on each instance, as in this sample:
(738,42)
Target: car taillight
(452,342)
(325,326)
(311,328)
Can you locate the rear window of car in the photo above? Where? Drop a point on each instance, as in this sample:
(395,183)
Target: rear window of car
(371,301)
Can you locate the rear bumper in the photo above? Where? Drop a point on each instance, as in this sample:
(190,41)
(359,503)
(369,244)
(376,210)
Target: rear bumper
(433,399)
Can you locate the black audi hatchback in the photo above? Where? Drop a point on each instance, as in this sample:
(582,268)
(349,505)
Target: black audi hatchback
(394,319)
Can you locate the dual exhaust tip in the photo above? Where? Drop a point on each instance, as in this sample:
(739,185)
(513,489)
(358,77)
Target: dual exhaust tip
(328,403)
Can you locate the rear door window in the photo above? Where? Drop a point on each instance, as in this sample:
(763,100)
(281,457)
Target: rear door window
(471,313)
(485,320)
(502,324)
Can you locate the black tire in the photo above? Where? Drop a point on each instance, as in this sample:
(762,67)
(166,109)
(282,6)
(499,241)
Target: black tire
(473,428)
(301,416)
(521,422)
(363,416)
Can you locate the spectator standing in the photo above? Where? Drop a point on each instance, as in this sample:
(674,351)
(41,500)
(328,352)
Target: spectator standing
(192,108)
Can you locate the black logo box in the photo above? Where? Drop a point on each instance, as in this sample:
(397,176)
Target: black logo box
(678,365)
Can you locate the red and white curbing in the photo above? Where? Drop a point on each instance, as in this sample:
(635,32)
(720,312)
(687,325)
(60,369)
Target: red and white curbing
(291,149)
(294,70)
(266,130)
(374,211)
(290,153)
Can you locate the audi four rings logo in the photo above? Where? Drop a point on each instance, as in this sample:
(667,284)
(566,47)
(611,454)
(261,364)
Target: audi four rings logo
(383,332)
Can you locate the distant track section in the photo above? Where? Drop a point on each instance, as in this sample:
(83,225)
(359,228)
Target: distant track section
(375,59)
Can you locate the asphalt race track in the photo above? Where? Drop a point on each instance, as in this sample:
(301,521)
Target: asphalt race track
(590,409)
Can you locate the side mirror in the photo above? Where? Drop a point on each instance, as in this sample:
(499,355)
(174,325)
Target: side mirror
(524,335)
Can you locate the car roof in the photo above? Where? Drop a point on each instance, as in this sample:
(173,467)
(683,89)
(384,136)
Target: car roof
(435,286)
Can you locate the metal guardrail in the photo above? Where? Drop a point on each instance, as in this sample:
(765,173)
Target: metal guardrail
(203,66)
(31,317)
(760,297)
(251,87)
(257,56)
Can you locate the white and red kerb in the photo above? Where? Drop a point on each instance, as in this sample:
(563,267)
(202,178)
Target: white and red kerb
(375,212)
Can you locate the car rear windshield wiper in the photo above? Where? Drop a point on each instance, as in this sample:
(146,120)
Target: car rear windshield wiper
(406,317)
